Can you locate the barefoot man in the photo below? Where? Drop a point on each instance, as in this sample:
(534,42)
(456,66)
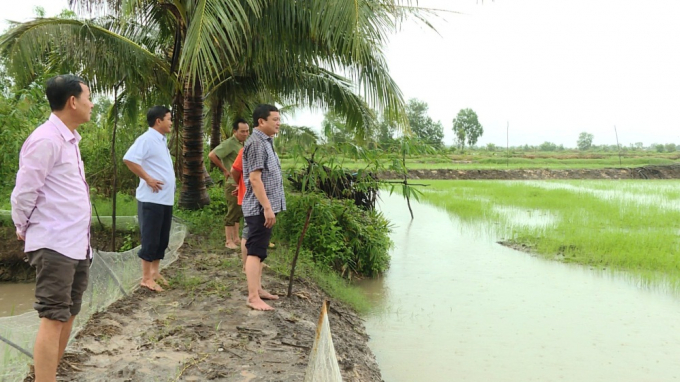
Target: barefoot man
(51,211)
(264,198)
(223,157)
(149,159)
(239,192)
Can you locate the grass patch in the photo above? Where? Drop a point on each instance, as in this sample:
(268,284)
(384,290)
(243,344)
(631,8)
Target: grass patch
(331,283)
(622,225)
(126,205)
(181,280)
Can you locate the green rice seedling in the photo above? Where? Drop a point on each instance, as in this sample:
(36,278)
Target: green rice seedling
(632,226)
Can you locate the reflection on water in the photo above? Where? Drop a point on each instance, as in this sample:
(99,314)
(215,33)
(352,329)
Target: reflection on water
(459,307)
(16,299)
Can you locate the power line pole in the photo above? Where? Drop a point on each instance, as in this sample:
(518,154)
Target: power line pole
(618,145)
(507,145)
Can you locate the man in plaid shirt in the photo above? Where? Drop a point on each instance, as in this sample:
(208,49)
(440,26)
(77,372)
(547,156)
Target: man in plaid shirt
(264,198)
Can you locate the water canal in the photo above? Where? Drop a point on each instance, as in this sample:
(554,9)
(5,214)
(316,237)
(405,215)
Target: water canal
(457,306)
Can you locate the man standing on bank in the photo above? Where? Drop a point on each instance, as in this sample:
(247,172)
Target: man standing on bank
(149,159)
(223,157)
(264,198)
(51,212)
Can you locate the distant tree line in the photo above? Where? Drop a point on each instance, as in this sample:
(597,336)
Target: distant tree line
(421,126)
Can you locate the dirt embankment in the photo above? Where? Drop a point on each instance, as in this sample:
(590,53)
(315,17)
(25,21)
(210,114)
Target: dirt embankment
(201,330)
(14,265)
(645,172)
(13,268)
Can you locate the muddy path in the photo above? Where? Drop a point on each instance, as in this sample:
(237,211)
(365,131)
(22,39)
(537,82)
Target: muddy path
(644,172)
(201,330)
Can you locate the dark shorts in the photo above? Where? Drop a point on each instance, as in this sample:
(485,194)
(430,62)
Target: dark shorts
(60,282)
(258,236)
(154,226)
(234,212)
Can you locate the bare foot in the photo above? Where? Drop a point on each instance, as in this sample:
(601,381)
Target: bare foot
(151,285)
(266,295)
(231,245)
(258,305)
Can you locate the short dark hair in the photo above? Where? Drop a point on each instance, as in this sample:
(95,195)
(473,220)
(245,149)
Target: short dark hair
(234,126)
(156,112)
(59,89)
(262,111)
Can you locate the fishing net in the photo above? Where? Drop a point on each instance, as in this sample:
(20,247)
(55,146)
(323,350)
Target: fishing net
(113,275)
(323,364)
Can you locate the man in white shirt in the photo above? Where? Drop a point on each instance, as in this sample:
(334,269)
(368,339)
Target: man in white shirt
(149,159)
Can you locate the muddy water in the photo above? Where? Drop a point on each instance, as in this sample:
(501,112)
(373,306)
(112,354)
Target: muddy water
(456,306)
(16,299)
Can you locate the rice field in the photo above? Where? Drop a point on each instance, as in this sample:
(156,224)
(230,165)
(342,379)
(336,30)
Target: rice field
(631,226)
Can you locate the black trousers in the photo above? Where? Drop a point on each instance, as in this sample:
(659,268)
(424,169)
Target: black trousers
(154,226)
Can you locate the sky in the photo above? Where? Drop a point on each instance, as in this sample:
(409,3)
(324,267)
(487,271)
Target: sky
(546,69)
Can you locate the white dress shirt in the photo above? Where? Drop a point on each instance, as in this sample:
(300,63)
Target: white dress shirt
(151,152)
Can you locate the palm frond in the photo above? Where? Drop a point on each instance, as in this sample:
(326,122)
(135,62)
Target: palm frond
(98,54)
(216,32)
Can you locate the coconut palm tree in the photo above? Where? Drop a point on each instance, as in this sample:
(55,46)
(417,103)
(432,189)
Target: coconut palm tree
(268,50)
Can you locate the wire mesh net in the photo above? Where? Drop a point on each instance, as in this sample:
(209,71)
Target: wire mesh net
(113,275)
(323,364)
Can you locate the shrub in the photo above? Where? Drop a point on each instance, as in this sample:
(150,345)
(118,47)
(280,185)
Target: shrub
(341,236)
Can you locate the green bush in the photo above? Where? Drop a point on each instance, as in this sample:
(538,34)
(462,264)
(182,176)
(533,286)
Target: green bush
(95,148)
(21,111)
(341,236)
(208,221)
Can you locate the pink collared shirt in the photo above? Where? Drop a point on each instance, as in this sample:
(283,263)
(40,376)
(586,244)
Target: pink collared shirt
(51,199)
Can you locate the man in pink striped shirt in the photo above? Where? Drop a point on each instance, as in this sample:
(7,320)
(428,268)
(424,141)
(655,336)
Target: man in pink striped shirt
(51,212)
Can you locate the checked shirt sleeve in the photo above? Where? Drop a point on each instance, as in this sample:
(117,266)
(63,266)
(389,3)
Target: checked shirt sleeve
(256,155)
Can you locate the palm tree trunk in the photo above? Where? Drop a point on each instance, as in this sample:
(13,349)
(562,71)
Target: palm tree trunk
(216,124)
(175,144)
(216,128)
(194,194)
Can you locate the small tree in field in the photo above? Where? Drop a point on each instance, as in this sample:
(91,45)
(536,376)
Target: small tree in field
(467,128)
(422,125)
(585,141)
(547,146)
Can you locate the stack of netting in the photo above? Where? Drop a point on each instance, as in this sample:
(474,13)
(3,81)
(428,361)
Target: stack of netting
(323,364)
(112,275)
